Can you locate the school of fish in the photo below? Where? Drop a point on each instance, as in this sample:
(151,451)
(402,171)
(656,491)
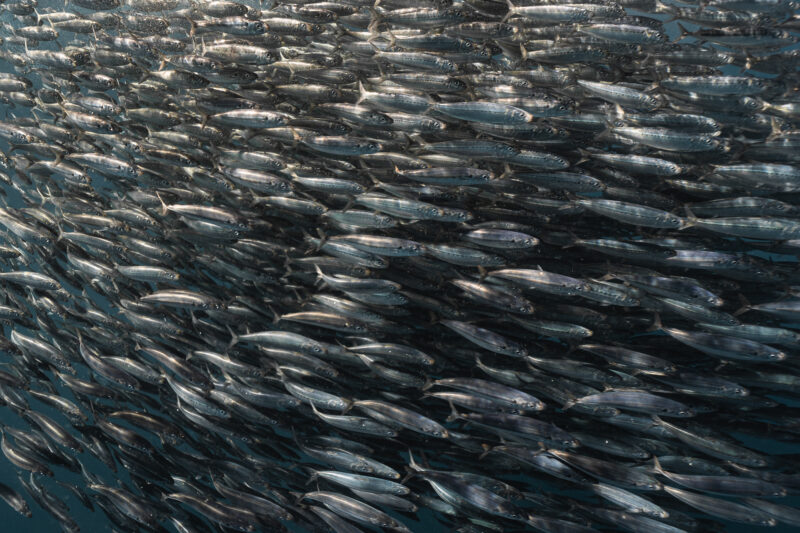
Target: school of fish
(401,265)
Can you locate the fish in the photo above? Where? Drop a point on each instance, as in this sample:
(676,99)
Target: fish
(398,265)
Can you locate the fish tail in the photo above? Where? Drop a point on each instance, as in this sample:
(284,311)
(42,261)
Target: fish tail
(746,306)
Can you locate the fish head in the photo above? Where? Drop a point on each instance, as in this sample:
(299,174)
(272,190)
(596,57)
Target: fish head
(650,485)
(518,351)
(431,211)
(111,128)
(465,216)
(358,328)
(438,432)
(431,125)
(484,53)
(775,355)
(524,308)
(455,84)
(381,119)
(384,220)
(313,347)
(518,115)
(779,206)
(411,247)
(532,405)
(81,57)
(362,467)
(256,27)
(133,147)
(752,104)
(370,145)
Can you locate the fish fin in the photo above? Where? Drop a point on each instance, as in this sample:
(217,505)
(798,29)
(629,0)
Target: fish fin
(375,181)
(507,172)
(365,359)
(193,28)
(660,7)
(690,220)
(234,338)
(572,345)
(746,306)
(657,325)
(487,449)
(619,112)
(164,209)
(373,24)
(348,406)
(509,13)
(409,474)
(362,92)
(586,155)
(276,317)
(320,275)
(228,378)
(454,415)
(434,318)
(683,34)
(657,420)
(775,129)
(323,237)
(296,136)
(656,465)
(606,133)
(424,459)
(574,242)
(94,34)
(312,478)
(392,37)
